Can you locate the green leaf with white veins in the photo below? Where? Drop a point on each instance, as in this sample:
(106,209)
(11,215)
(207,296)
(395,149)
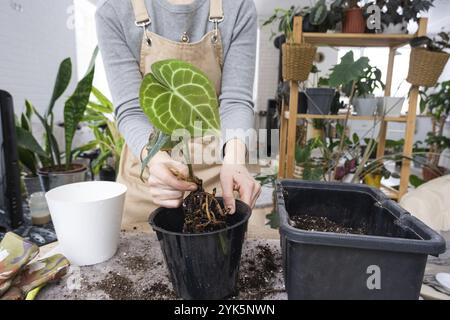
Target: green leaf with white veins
(177,95)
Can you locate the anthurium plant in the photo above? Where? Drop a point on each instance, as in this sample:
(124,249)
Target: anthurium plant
(176,95)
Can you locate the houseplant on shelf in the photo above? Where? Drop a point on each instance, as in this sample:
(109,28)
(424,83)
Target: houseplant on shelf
(306,166)
(437,105)
(107,142)
(364,102)
(353,17)
(200,230)
(428,59)
(395,14)
(317,18)
(54,171)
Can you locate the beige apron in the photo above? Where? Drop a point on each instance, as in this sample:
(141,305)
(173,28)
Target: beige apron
(205,54)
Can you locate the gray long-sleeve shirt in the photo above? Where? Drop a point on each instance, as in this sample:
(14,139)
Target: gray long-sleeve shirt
(120,43)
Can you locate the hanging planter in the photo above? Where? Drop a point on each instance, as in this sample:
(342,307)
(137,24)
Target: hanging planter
(428,59)
(297,61)
(425,67)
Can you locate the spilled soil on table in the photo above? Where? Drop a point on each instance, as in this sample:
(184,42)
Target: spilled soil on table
(259,268)
(119,287)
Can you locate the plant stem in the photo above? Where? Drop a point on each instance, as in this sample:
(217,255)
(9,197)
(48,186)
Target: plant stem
(187,157)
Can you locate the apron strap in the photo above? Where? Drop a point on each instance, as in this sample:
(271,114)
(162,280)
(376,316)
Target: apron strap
(140,12)
(216,11)
(142,18)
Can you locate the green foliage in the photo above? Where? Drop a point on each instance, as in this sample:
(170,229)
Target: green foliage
(348,70)
(30,152)
(284,18)
(399,11)
(318,13)
(177,95)
(75,107)
(99,116)
(73,113)
(61,83)
(415,181)
(441,43)
(367,82)
(436,101)
(273,219)
(437,105)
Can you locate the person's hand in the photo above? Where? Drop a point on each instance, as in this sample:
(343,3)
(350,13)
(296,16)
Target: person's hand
(166,189)
(234,176)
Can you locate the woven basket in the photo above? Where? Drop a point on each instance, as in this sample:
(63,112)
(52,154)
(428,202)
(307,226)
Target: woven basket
(425,67)
(297,61)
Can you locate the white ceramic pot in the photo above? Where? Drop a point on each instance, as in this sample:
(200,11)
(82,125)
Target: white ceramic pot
(390,106)
(87,217)
(365,106)
(399,28)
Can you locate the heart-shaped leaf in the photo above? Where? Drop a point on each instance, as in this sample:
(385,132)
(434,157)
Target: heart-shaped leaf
(177,95)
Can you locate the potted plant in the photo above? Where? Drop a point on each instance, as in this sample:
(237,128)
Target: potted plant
(437,105)
(428,58)
(55,171)
(364,102)
(201,230)
(108,142)
(395,14)
(306,166)
(31,154)
(320,99)
(353,17)
(317,18)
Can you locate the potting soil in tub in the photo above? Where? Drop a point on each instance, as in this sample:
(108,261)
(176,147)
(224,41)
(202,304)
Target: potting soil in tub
(379,253)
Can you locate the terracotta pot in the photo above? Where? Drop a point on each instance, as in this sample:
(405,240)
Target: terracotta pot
(354,21)
(432,173)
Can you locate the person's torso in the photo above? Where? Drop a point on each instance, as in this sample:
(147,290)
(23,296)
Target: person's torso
(172,20)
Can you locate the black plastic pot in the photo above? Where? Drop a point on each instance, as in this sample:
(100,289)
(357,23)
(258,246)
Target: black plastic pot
(302,103)
(201,266)
(319,100)
(107,173)
(388,263)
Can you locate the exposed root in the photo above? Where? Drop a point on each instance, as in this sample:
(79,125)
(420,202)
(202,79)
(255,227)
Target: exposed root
(203,212)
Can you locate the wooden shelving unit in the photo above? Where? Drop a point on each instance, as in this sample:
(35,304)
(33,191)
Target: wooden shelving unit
(289,120)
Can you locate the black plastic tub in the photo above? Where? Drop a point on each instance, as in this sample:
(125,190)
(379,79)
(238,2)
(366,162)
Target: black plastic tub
(201,266)
(387,263)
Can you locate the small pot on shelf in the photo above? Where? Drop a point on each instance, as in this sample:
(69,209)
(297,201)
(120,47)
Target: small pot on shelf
(366,106)
(354,21)
(430,173)
(107,173)
(395,28)
(390,106)
(56,176)
(319,100)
